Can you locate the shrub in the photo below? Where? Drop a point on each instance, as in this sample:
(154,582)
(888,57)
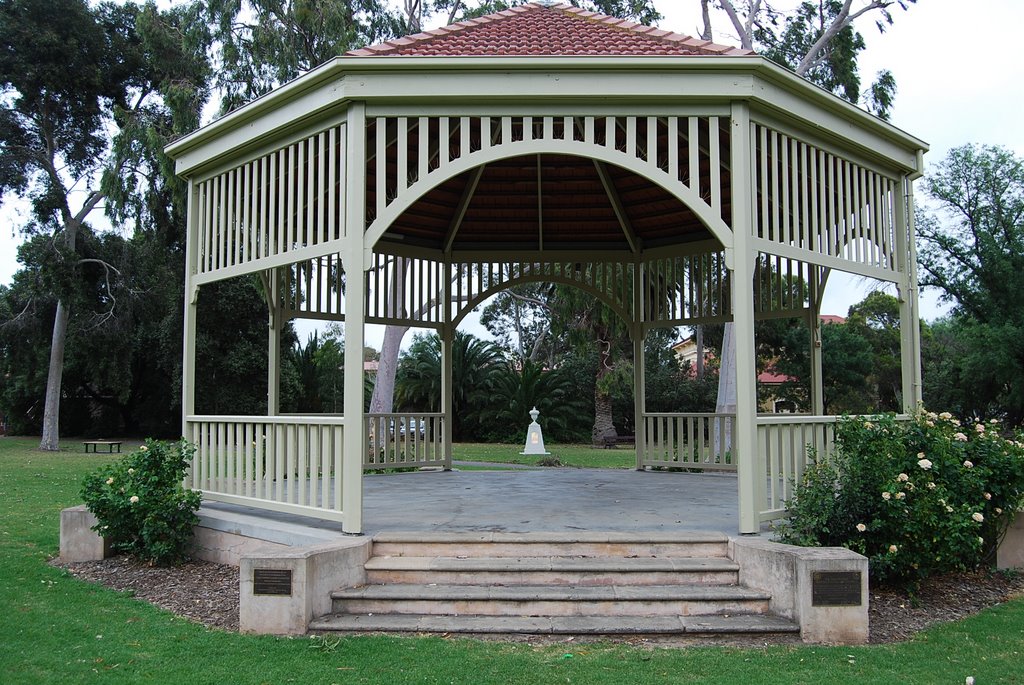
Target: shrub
(140,504)
(919,497)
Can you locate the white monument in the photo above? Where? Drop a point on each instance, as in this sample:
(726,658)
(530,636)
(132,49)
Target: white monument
(534,436)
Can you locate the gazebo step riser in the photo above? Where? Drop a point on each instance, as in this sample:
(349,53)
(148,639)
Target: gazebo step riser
(680,626)
(565,607)
(584,578)
(551,549)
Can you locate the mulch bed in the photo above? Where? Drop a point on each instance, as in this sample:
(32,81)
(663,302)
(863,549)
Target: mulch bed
(208,593)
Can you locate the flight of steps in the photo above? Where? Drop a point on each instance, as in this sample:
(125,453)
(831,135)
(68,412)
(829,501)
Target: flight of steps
(552,583)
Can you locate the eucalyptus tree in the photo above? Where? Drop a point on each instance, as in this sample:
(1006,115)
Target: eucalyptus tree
(818,41)
(69,74)
(260,44)
(972,251)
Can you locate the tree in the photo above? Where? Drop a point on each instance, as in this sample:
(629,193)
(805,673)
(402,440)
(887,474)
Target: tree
(474,365)
(261,44)
(517,389)
(817,41)
(973,252)
(68,72)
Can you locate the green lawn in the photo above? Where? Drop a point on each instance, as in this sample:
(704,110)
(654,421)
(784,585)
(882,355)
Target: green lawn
(60,630)
(583,456)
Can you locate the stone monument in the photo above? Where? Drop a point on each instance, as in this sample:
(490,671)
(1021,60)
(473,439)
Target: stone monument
(534,436)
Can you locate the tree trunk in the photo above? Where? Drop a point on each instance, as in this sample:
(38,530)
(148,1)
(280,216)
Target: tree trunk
(603,424)
(726,402)
(383,399)
(51,407)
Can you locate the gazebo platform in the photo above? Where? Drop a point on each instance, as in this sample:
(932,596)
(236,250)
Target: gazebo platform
(516,501)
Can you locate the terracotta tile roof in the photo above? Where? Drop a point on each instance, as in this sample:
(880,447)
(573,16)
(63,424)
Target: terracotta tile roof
(539,30)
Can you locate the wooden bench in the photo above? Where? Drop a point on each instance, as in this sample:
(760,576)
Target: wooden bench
(95,444)
(610,442)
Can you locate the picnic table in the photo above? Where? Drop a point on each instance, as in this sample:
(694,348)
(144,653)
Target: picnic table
(95,445)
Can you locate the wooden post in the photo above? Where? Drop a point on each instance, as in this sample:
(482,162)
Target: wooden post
(814,326)
(188,362)
(744,443)
(637,332)
(272,284)
(910,338)
(447,388)
(354,262)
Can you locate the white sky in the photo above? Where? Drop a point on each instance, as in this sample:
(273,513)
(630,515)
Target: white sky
(959,74)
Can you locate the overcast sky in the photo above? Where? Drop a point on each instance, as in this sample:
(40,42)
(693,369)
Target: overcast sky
(959,73)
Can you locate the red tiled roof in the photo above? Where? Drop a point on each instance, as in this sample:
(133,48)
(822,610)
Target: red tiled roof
(535,30)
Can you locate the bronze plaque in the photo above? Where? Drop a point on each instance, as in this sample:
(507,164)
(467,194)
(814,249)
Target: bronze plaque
(836,589)
(271,581)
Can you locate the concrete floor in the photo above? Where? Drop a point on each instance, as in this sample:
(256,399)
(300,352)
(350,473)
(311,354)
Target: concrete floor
(526,500)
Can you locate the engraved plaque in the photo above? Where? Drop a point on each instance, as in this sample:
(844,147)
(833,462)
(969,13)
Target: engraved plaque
(271,581)
(836,589)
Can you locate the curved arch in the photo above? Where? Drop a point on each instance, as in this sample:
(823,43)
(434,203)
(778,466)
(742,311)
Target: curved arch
(407,197)
(483,295)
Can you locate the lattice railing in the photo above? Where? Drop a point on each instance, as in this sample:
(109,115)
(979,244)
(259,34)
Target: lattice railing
(691,441)
(280,463)
(814,200)
(278,203)
(689,153)
(405,440)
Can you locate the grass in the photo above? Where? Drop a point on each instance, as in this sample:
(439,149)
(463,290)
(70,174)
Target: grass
(59,629)
(583,456)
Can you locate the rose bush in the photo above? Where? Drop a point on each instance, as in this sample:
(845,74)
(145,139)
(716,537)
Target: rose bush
(140,504)
(918,497)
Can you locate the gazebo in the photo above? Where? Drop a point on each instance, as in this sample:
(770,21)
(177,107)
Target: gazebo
(679,181)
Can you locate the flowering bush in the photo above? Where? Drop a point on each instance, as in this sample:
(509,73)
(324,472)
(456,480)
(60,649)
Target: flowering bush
(140,503)
(917,497)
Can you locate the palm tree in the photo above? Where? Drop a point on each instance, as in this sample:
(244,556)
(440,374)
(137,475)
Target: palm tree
(474,365)
(516,391)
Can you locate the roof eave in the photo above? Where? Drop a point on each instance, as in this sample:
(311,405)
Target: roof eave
(343,66)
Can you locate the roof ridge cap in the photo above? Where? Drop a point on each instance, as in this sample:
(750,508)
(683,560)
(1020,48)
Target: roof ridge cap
(653,33)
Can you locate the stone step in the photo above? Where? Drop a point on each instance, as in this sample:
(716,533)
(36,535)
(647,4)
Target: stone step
(468,544)
(558,625)
(548,600)
(551,571)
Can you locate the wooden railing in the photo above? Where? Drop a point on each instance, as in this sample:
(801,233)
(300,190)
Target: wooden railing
(282,463)
(786,444)
(691,441)
(405,440)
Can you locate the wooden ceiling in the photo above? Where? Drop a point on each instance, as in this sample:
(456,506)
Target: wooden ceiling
(550,202)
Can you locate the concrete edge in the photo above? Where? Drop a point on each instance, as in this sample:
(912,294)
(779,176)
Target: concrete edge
(1010,553)
(312,573)
(789,574)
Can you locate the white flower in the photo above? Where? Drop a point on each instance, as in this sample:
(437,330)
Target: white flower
(903,478)
(960,436)
(886,495)
(134,499)
(969,680)
(868,424)
(110,481)
(143,448)
(861,527)
(900,495)
(993,421)
(931,486)
(893,549)
(924,464)
(949,509)
(945,416)
(910,486)
(981,540)
(930,423)
(968,464)
(956,422)
(988,495)
(920,455)
(131,471)
(999,510)
(977,517)
(979,427)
